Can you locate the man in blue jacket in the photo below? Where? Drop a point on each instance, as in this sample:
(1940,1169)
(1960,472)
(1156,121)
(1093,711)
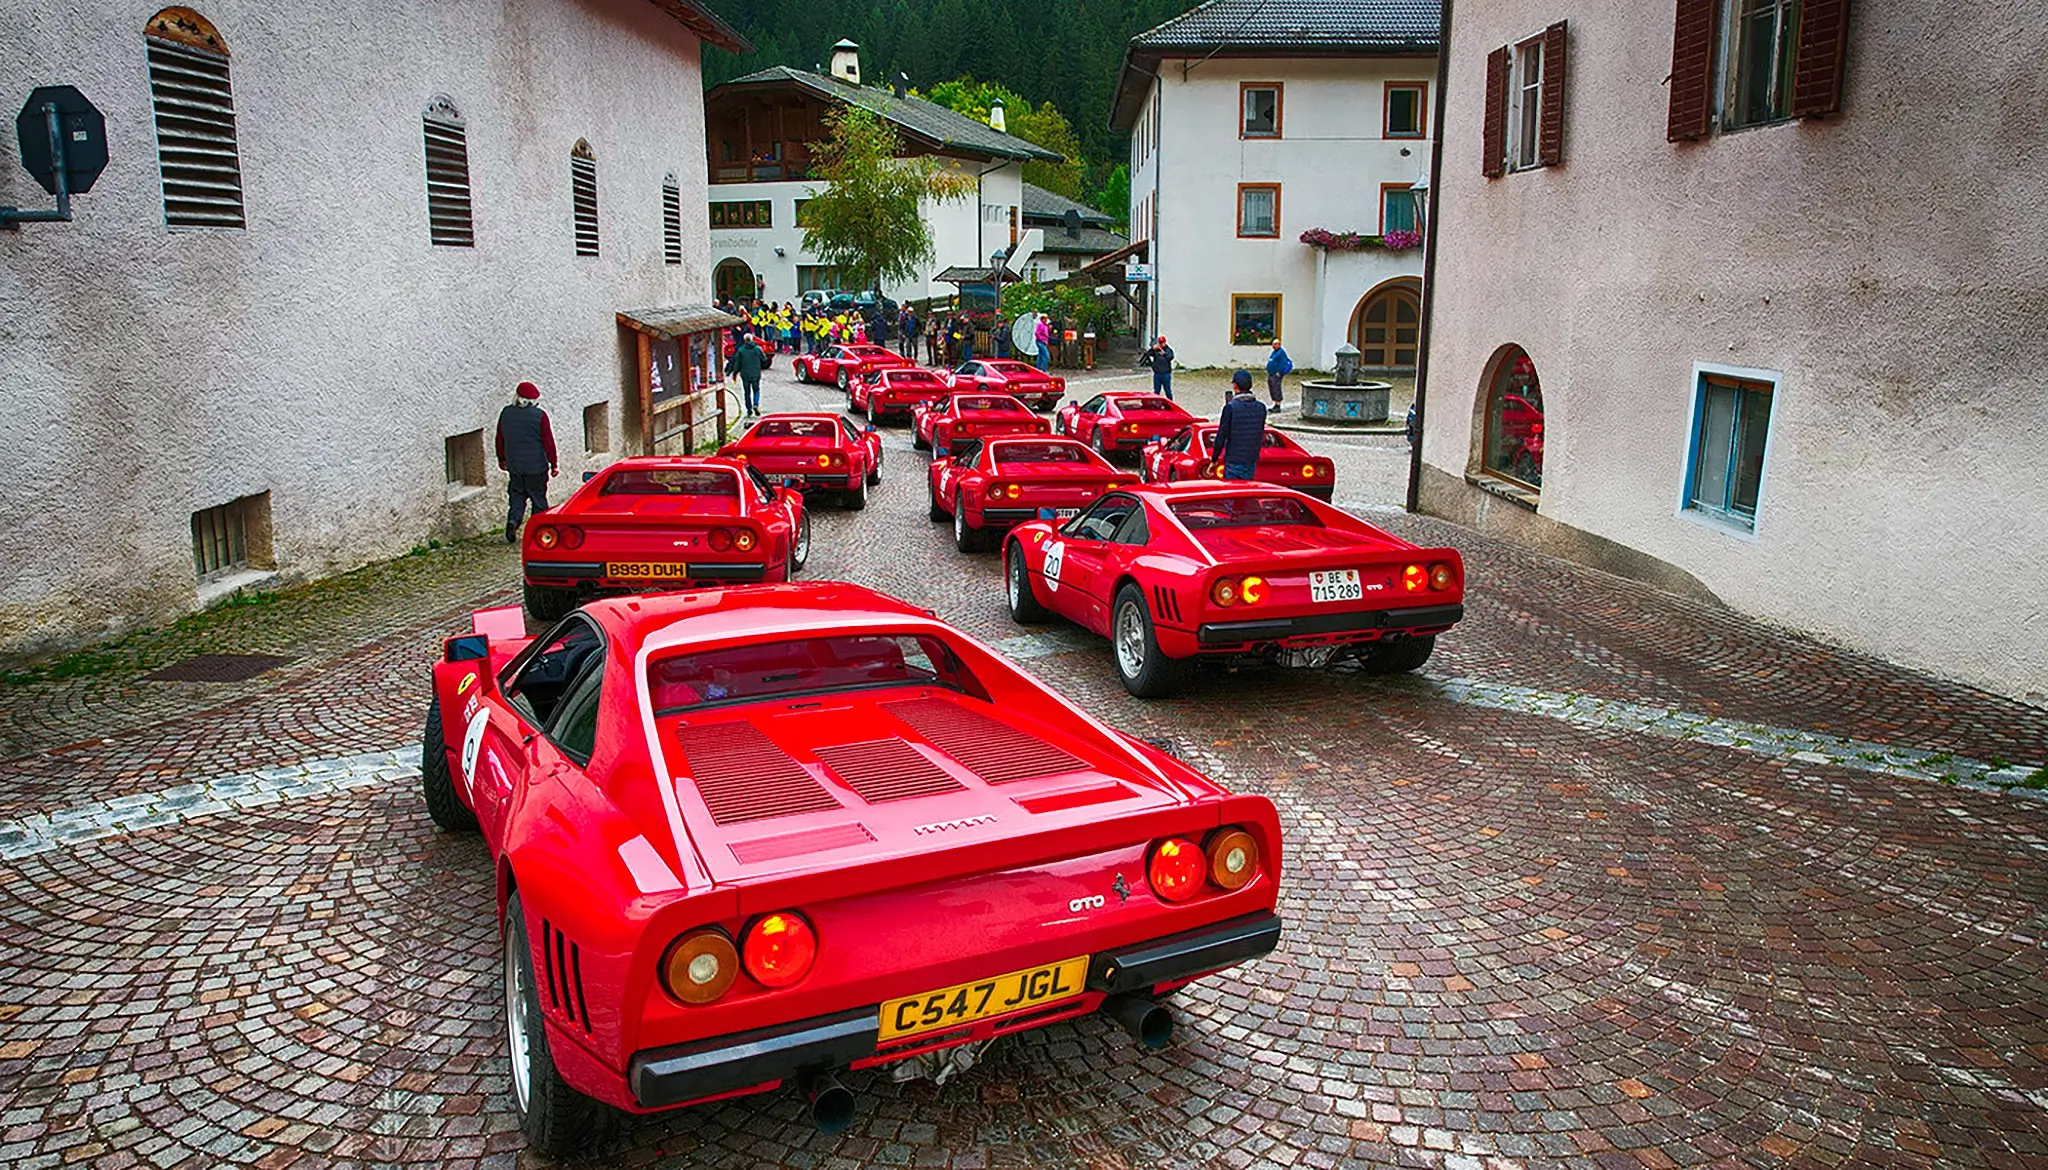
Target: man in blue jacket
(1241,432)
(1278,366)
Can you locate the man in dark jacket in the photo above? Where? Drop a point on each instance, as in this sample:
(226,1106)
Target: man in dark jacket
(526,453)
(1241,432)
(746,361)
(1159,359)
(909,324)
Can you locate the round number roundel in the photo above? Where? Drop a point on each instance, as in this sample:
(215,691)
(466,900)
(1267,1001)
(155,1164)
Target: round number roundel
(1055,556)
(472,743)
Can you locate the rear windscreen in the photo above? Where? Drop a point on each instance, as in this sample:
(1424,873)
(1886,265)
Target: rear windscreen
(983,403)
(668,481)
(1145,404)
(908,377)
(793,428)
(1240,511)
(771,670)
(1011,368)
(1040,453)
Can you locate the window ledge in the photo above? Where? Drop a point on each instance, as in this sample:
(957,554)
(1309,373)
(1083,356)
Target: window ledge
(459,493)
(227,585)
(1725,523)
(1506,489)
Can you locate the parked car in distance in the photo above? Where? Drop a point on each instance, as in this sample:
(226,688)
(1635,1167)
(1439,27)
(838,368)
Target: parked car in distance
(948,419)
(894,390)
(1191,454)
(840,364)
(1020,380)
(1121,420)
(814,452)
(985,486)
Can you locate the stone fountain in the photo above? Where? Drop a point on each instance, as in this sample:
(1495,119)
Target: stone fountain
(1346,398)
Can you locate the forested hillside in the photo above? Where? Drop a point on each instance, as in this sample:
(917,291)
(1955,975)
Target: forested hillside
(1066,52)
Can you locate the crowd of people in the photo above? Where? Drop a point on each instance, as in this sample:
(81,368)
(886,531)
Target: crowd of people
(940,339)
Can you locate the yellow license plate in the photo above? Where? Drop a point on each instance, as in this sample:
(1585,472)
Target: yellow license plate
(950,1007)
(646,571)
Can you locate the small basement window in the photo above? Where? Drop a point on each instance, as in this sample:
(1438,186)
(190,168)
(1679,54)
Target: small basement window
(597,428)
(232,537)
(463,456)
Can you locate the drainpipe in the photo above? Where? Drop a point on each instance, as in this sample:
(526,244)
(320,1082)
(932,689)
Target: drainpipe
(1436,194)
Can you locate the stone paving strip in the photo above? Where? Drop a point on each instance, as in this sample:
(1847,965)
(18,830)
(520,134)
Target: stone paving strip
(120,815)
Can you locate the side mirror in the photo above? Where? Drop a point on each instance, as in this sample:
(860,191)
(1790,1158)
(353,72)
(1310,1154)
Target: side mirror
(469,648)
(588,476)
(872,429)
(790,481)
(939,453)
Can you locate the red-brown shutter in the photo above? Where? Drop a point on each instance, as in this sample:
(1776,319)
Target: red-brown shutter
(1495,132)
(1823,45)
(1692,71)
(1550,135)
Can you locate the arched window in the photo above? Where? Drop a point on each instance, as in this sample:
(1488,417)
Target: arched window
(195,120)
(1387,327)
(448,207)
(583,192)
(671,220)
(1514,419)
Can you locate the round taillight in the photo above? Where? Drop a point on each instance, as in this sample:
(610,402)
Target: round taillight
(572,537)
(995,491)
(743,540)
(1015,490)
(719,539)
(1440,576)
(1308,471)
(780,949)
(741,456)
(1414,578)
(1233,858)
(546,537)
(700,967)
(1252,590)
(1177,869)
(1224,592)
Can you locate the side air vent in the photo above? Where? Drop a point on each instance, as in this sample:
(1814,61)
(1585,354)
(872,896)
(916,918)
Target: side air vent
(992,750)
(887,769)
(564,963)
(783,845)
(1166,603)
(743,776)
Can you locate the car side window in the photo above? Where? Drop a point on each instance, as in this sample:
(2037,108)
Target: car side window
(574,728)
(1102,521)
(1134,529)
(851,435)
(762,487)
(1093,405)
(970,369)
(1180,441)
(541,679)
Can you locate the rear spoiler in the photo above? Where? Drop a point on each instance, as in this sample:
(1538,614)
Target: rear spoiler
(505,623)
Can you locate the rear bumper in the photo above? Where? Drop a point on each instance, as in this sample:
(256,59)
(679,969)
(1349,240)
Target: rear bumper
(1321,491)
(661,1077)
(1424,618)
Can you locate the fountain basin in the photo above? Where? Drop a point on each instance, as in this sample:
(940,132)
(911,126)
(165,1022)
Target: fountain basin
(1334,402)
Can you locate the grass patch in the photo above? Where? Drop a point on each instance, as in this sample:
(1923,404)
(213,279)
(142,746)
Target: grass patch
(2036,780)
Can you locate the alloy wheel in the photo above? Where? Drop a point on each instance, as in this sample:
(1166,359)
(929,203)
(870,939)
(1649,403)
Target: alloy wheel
(1130,640)
(515,1023)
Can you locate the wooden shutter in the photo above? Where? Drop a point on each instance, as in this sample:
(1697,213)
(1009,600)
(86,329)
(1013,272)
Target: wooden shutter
(1692,71)
(1550,135)
(449,212)
(1495,131)
(583,195)
(1823,45)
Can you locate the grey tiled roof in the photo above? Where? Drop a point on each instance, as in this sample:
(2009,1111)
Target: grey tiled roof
(677,320)
(1093,241)
(925,119)
(1320,24)
(706,24)
(1040,203)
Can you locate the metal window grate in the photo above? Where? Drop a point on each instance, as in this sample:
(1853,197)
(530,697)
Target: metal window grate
(671,221)
(195,135)
(448,199)
(583,190)
(220,539)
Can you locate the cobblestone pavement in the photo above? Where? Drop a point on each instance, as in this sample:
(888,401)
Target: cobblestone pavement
(1618,880)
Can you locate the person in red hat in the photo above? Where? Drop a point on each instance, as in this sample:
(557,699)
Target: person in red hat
(526,453)
(1160,359)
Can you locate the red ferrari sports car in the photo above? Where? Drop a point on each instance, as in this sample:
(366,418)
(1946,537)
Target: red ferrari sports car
(660,522)
(946,420)
(1020,380)
(815,452)
(986,486)
(895,390)
(1172,573)
(732,344)
(748,836)
(1122,420)
(840,364)
(1192,453)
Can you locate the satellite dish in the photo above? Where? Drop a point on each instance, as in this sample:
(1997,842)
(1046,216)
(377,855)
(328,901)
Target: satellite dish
(1024,335)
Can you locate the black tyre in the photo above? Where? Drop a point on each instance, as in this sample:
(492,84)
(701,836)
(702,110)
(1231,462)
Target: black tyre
(1059,424)
(1398,657)
(1140,665)
(871,413)
(548,605)
(1096,441)
(918,440)
(856,497)
(1024,607)
(938,514)
(557,1120)
(437,783)
(800,545)
(845,385)
(966,538)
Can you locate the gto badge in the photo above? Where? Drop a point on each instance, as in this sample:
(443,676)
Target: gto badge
(1092,902)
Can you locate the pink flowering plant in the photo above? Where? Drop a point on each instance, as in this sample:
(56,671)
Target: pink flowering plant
(1394,241)
(1400,241)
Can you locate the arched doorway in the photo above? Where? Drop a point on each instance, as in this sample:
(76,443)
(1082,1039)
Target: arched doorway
(1387,327)
(733,280)
(1513,446)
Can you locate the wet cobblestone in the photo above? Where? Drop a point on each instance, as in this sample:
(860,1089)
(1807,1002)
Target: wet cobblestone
(1545,909)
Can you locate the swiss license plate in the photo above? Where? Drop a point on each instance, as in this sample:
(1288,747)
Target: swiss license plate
(949,1007)
(646,571)
(1065,513)
(1340,585)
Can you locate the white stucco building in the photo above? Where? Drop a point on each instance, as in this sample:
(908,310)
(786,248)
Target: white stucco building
(1760,331)
(760,127)
(275,338)
(1253,122)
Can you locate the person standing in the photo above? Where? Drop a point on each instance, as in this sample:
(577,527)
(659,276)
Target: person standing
(908,348)
(526,453)
(1278,366)
(1042,333)
(1160,359)
(1241,432)
(747,361)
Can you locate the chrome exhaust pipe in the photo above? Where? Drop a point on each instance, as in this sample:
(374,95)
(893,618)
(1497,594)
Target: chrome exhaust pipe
(831,1103)
(1147,1022)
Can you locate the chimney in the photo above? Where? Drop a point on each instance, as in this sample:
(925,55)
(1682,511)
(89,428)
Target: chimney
(995,119)
(901,84)
(846,62)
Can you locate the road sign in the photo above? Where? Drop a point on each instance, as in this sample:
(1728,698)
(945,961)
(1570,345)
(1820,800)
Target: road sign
(82,128)
(1137,273)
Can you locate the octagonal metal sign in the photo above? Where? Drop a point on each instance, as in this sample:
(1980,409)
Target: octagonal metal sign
(81,126)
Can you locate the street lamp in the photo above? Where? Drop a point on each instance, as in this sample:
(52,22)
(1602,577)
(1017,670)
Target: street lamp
(1418,191)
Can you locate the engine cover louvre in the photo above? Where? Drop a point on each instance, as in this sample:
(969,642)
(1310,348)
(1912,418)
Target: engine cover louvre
(887,769)
(991,749)
(742,776)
